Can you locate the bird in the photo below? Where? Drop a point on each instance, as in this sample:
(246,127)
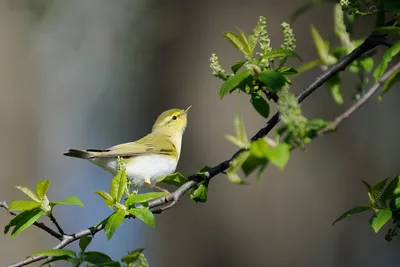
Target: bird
(146,160)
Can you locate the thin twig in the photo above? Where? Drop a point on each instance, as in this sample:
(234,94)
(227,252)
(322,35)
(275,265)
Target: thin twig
(361,101)
(54,221)
(167,202)
(37,224)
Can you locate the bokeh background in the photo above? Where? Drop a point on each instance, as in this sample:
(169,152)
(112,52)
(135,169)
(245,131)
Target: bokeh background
(94,73)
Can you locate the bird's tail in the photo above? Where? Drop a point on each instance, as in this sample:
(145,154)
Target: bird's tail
(78,153)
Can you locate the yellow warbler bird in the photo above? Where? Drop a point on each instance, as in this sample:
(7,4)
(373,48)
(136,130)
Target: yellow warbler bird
(147,159)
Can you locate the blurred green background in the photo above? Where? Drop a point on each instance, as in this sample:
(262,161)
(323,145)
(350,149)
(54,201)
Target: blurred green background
(94,73)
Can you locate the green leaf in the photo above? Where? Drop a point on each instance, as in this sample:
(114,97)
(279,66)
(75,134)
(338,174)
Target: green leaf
(386,58)
(392,190)
(351,212)
(175,179)
(54,259)
(72,200)
(132,256)
(146,197)
(377,190)
(288,71)
(279,155)
(367,64)
(236,164)
(281,53)
(386,30)
(273,79)
(99,259)
(55,253)
(233,82)
(395,204)
(258,148)
(380,218)
(21,205)
(118,185)
(200,193)
(260,104)
(113,222)
(238,42)
(239,128)
(334,86)
(84,242)
(41,188)
(322,47)
(238,64)
(390,82)
(29,193)
(23,221)
(108,199)
(236,141)
(310,65)
(144,215)
(252,163)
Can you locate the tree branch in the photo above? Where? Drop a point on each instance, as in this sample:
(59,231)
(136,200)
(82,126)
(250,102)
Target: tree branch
(37,224)
(362,100)
(53,219)
(167,202)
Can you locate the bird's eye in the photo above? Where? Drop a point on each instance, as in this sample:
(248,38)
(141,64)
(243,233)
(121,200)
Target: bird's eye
(174,117)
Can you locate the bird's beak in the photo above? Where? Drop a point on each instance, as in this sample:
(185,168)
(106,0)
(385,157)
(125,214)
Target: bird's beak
(187,109)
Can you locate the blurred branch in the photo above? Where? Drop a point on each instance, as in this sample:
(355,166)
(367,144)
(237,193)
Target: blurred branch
(163,203)
(42,226)
(362,100)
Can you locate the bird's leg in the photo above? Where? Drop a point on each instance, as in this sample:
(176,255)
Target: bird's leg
(147,181)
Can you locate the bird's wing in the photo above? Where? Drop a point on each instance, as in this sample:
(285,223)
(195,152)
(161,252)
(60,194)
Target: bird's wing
(150,144)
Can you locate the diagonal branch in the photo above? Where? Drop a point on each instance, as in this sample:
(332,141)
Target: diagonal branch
(40,225)
(167,202)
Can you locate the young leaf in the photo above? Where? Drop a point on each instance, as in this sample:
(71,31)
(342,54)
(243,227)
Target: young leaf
(41,188)
(55,253)
(386,30)
(322,47)
(99,259)
(386,58)
(132,256)
(21,205)
(287,71)
(273,79)
(238,42)
(84,242)
(260,105)
(200,194)
(236,141)
(310,65)
(235,67)
(239,128)
(351,212)
(233,82)
(175,179)
(380,218)
(279,155)
(29,193)
(144,215)
(72,200)
(334,86)
(236,164)
(377,190)
(146,197)
(23,221)
(395,204)
(118,185)
(281,53)
(390,81)
(253,39)
(113,222)
(258,148)
(108,199)
(392,190)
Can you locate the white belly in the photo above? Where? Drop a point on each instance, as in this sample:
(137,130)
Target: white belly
(143,167)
